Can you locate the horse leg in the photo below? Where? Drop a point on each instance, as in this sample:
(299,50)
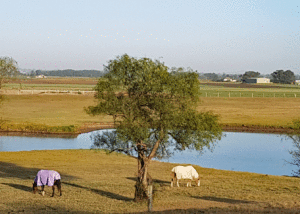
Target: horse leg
(177,182)
(53,190)
(43,192)
(34,187)
(59,187)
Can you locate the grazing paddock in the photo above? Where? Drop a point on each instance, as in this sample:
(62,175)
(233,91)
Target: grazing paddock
(265,112)
(51,112)
(94,182)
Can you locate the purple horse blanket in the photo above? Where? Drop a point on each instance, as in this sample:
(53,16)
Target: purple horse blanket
(46,177)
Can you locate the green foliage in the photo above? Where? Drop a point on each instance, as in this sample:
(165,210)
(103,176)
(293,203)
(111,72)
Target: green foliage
(8,68)
(296,124)
(295,153)
(150,105)
(28,127)
(250,74)
(285,77)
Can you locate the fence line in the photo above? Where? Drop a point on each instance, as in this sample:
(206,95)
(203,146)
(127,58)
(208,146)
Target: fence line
(251,94)
(20,92)
(205,94)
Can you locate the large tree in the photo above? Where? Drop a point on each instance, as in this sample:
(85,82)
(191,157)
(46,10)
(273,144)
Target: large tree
(250,74)
(281,76)
(152,109)
(8,68)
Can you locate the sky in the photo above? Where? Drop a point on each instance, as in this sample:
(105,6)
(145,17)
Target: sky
(215,36)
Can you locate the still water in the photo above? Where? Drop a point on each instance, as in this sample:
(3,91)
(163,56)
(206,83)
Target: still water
(250,152)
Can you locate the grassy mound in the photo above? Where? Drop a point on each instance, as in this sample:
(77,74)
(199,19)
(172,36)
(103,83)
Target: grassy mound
(93,182)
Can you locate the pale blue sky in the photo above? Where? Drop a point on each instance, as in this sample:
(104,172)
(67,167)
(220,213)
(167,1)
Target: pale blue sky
(231,36)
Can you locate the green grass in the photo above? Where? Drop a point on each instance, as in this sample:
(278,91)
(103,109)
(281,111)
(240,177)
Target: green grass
(94,182)
(221,91)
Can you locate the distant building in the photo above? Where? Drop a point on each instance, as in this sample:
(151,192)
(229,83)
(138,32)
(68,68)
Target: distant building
(257,80)
(297,82)
(40,76)
(227,79)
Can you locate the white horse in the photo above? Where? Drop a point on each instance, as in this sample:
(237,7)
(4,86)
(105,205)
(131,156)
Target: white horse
(184,172)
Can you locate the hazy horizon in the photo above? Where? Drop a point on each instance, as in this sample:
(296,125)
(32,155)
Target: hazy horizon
(215,36)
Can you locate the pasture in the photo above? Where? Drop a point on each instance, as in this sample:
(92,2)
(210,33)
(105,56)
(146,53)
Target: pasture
(237,105)
(95,182)
(65,113)
(250,90)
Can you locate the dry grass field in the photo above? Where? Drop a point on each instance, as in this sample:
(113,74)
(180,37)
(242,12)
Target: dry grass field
(278,112)
(93,182)
(47,112)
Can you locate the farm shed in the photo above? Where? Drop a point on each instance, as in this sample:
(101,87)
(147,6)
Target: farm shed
(257,80)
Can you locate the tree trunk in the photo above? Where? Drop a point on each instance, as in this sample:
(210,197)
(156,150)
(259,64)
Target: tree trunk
(143,178)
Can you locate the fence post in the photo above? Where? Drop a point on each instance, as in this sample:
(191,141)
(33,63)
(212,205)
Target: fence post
(252,95)
(240,94)
(218,94)
(150,189)
(295,95)
(229,94)
(206,94)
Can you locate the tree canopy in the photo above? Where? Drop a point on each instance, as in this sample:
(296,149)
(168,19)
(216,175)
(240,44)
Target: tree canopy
(250,74)
(284,77)
(8,68)
(152,110)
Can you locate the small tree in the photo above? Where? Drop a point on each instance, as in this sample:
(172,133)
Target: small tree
(284,77)
(149,105)
(8,68)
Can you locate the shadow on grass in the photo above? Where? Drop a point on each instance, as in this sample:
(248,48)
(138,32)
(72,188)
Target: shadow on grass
(161,182)
(19,186)
(43,208)
(273,210)
(225,200)
(102,192)
(10,170)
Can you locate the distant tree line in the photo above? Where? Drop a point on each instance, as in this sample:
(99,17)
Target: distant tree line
(278,76)
(67,73)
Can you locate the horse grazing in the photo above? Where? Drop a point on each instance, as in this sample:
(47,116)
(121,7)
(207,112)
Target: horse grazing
(47,177)
(184,172)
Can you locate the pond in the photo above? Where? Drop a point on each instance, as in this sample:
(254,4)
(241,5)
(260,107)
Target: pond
(250,152)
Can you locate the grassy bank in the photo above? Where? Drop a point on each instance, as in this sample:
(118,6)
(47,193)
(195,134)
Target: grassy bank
(96,182)
(65,113)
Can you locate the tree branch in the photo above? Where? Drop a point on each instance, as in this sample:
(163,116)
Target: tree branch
(155,147)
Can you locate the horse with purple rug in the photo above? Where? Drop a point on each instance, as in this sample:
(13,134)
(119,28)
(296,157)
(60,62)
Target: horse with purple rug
(47,177)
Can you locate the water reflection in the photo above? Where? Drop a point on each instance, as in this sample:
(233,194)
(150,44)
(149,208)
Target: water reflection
(260,153)
(295,153)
